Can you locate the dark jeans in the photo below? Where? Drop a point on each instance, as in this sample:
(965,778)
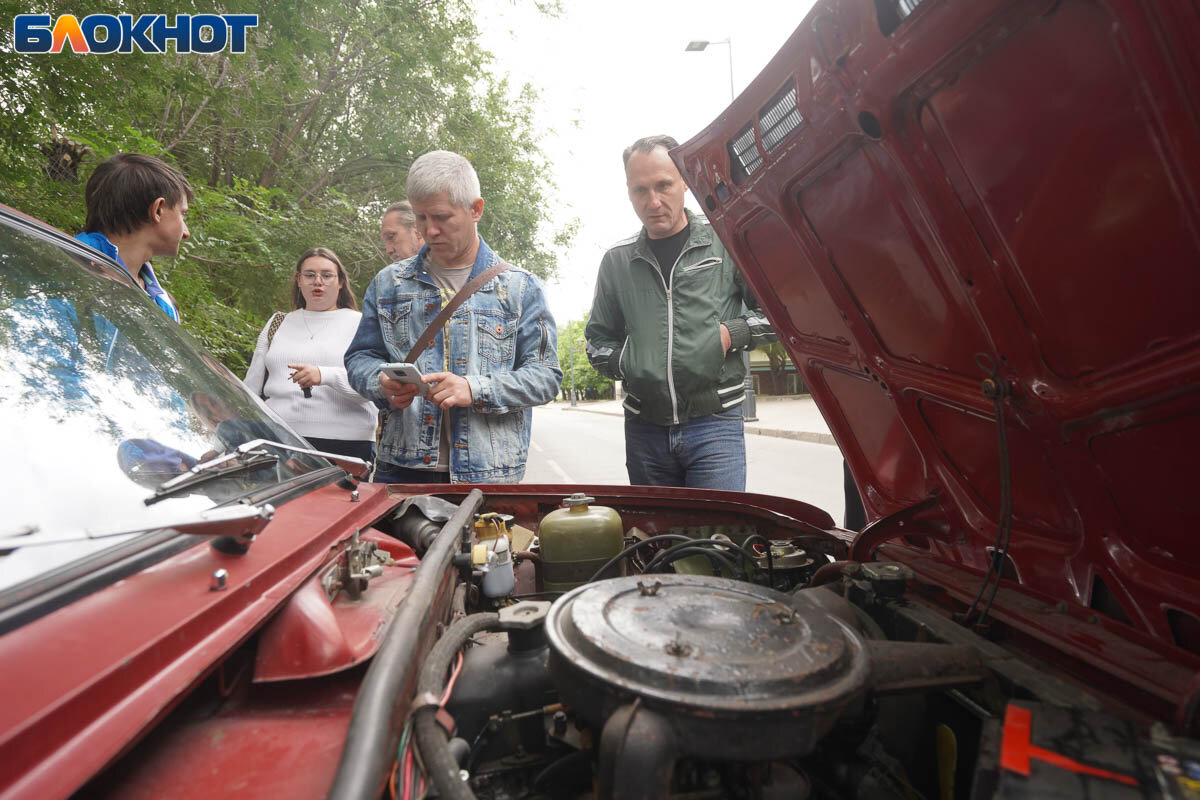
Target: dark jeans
(344,447)
(703,453)
(387,472)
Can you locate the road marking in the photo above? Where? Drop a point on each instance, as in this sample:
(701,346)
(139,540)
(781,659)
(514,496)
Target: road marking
(561,473)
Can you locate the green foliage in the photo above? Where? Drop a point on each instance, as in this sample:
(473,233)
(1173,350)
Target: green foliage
(301,141)
(568,354)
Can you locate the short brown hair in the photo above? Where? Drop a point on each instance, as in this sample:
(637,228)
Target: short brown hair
(405,210)
(647,144)
(345,298)
(121,189)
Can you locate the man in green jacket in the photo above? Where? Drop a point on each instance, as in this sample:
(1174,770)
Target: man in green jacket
(668,320)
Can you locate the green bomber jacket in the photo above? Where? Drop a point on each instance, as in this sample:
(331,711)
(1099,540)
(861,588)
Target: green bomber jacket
(662,336)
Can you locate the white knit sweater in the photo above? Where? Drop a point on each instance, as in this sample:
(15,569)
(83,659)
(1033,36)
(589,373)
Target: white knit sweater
(335,411)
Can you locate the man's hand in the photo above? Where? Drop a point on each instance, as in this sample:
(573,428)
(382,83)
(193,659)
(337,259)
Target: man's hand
(448,390)
(399,395)
(306,375)
(726,340)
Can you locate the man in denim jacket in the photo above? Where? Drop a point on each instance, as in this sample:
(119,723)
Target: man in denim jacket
(494,359)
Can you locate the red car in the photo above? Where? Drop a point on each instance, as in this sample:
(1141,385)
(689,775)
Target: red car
(975,227)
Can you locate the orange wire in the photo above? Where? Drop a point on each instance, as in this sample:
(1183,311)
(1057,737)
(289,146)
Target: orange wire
(392,780)
(453,678)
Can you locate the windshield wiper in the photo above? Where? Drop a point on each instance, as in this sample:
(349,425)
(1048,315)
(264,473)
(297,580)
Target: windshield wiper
(243,521)
(247,457)
(355,466)
(244,459)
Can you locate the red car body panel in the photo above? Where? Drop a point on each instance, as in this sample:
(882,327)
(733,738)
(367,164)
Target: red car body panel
(992,189)
(95,675)
(1011,180)
(313,635)
(100,673)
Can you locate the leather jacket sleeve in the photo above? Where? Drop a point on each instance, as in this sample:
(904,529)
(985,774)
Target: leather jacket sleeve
(605,331)
(751,329)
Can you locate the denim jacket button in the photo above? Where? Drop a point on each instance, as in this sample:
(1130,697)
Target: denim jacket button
(429,420)
(429,306)
(428,459)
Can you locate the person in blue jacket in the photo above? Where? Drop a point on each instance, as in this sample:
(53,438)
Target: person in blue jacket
(136,209)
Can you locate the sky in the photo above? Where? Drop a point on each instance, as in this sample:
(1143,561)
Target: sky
(609,72)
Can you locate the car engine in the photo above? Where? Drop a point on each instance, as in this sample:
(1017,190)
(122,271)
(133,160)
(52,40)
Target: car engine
(765,670)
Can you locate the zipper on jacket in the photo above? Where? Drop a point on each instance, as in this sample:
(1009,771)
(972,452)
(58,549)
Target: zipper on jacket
(667,287)
(671,336)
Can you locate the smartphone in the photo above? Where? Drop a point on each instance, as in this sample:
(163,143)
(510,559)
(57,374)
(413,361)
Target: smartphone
(406,373)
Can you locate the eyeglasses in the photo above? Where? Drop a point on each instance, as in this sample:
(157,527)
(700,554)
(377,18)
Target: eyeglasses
(323,277)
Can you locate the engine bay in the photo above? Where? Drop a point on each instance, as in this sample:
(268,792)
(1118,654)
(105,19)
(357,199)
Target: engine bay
(713,661)
(534,645)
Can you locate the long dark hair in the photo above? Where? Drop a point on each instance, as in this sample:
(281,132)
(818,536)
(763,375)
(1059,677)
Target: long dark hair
(345,298)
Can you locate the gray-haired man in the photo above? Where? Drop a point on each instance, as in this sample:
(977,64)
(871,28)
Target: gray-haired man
(494,359)
(398,229)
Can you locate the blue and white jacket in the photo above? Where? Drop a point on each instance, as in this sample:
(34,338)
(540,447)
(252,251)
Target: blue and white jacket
(502,340)
(98,241)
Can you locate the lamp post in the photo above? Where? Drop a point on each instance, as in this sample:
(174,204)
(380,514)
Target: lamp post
(697,45)
(750,406)
(571,358)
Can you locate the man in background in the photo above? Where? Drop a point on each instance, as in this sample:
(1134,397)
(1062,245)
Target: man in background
(136,210)
(668,320)
(398,229)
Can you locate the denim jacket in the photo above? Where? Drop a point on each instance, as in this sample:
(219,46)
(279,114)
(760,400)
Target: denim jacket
(502,340)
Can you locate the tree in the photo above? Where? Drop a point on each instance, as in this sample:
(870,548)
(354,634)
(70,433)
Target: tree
(303,140)
(576,354)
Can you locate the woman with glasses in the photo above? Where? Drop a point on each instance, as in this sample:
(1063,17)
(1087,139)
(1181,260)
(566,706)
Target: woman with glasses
(297,365)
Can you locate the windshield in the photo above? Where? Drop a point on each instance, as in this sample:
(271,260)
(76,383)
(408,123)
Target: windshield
(102,400)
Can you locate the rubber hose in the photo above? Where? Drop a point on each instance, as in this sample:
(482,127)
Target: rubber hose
(536,560)
(674,554)
(828,573)
(432,740)
(378,716)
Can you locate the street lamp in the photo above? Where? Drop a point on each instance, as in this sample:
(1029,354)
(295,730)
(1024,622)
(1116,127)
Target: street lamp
(750,406)
(571,358)
(696,45)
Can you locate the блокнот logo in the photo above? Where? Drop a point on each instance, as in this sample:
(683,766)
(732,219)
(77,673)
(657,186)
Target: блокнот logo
(33,33)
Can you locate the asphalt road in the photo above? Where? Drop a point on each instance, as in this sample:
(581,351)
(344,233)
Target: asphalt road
(583,447)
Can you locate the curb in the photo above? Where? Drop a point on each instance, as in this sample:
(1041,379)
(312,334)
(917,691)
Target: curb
(801,436)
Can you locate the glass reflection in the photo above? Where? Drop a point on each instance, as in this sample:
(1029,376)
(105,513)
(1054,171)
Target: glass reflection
(102,398)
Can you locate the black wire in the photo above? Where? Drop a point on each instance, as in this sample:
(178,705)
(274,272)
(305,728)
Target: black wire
(749,540)
(998,390)
(706,544)
(688,544)
(714,556)
(636,546)
(1000,555)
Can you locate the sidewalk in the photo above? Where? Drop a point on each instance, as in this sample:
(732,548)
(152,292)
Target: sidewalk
(786,416)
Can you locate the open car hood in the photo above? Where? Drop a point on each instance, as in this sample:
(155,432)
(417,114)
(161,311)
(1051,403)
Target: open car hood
(923,200)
